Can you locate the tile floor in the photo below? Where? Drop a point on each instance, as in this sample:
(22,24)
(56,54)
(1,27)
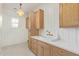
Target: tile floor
(16,50)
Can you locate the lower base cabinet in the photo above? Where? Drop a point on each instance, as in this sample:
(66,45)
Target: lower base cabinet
(56,51)
(43,49)
(29,43)
(34,47)
(40,48)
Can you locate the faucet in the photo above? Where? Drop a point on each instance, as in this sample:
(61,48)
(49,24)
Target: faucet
(49,33)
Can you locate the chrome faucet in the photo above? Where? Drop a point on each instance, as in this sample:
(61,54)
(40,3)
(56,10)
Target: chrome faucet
(49,33)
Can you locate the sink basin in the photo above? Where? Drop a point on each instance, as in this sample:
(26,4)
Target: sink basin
(50,38)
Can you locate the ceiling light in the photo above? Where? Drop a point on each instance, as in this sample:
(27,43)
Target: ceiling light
(20,12)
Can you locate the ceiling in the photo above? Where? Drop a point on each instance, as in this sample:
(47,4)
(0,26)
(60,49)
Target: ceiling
(25,6)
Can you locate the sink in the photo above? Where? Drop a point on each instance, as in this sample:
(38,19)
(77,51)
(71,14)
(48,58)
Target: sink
(50,38)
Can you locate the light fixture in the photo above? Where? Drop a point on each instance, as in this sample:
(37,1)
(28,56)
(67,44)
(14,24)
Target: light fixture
(20,12)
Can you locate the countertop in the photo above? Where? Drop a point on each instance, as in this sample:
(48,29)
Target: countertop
(60,43)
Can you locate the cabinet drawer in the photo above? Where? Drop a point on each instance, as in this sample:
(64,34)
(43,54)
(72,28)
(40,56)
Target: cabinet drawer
(55,51)
(42,43)
(66,53)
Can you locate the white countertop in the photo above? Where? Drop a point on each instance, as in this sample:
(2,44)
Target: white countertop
(60,43)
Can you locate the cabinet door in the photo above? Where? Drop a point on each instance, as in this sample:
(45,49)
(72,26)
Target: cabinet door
(40,50)
(33,32)
(70,12)
(63,52)
(32,23)
(47,50)
(43,49)
(34,46)
(39,16)
(55,51)
(30,43)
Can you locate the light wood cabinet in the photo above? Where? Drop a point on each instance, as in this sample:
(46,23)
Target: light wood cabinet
(34,46)
(29,43)
(40,48)
(35,20)
(31,21)
(32,32)
(43,49)
(27,22)
(56,51)
(39,16)
(69,15)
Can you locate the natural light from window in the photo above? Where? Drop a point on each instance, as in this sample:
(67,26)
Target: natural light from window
(14,22)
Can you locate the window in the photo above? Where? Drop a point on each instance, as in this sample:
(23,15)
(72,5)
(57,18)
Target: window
(15,22)
(0,21)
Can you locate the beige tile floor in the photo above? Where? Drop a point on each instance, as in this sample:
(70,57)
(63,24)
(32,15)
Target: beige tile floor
(17,50)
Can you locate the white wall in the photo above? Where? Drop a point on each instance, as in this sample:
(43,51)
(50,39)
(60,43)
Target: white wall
(0,26)
(11,35)
(51,18)
(51,23)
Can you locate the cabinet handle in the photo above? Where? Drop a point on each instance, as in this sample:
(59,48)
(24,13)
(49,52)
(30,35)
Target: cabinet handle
(41,47)
(43,50)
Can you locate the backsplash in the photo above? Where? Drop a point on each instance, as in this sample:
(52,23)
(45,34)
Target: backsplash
(70,35)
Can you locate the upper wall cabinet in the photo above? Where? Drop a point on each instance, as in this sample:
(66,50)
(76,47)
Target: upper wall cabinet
(31,21)
(39,16)
(35,20)
(69,15)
